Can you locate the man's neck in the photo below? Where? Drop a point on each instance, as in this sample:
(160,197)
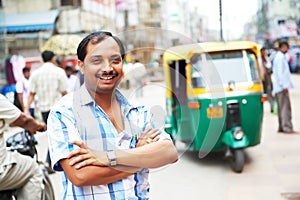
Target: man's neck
(106,100)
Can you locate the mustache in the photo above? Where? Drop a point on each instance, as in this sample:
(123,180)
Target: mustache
(111,73)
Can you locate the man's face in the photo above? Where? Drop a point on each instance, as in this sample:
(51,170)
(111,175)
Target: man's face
(284,48)
(26,75)
(102,66)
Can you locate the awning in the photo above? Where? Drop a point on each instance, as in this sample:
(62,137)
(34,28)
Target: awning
(29,21)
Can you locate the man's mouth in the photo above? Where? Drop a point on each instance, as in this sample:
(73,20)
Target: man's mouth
(107,76)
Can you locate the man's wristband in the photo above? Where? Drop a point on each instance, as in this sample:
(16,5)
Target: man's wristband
(112,158)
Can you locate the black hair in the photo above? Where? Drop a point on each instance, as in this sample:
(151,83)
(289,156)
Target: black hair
(47,55)
(95,38)
(68,68)
(26,69)
(282,43)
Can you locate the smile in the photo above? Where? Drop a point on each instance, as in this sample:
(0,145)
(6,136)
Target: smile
(107,76)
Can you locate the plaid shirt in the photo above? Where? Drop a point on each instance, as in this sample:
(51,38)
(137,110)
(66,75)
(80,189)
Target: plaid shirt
(48,82)
(85,120)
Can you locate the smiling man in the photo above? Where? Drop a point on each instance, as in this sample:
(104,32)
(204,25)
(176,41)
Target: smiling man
(102,143)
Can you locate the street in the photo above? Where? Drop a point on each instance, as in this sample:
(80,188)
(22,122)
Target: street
(272,169)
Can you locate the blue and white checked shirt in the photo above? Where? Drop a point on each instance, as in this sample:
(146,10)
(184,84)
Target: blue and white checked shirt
(77,117)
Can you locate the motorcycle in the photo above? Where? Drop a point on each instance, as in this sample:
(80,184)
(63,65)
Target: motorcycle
(25,143)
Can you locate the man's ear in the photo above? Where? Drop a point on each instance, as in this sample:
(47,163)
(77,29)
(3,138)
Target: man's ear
(81,66)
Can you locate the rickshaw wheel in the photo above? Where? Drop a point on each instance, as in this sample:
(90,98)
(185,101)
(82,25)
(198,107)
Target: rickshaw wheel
(238,160)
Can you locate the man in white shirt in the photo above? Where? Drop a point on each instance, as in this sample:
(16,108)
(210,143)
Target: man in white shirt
(73,81)
(22,89)
(16,170)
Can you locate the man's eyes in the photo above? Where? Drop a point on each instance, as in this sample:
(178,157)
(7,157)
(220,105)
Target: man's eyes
(101,60)
(116,61)
(96,60)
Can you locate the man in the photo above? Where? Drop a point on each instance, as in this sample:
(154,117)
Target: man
(49,83)
(16,170)
(103,144)
(281,86)
(139,74)
(22,89)
(267,71)
(73,81)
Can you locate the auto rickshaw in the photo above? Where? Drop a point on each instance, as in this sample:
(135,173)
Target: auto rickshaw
(214,97)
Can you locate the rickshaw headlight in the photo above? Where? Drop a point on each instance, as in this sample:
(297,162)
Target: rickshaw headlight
(238,134)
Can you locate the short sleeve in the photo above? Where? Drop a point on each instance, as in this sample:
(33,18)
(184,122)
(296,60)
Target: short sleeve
(19,86)
(150,122)
(32,85)
(63,80)
(8,112)
(61,131)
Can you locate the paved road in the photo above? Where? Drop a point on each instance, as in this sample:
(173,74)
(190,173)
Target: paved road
(272,170)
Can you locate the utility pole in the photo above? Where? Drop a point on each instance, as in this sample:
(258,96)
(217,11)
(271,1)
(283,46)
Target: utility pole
(221,21)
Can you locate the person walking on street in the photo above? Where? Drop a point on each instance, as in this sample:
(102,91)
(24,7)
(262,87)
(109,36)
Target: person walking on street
(73,81)
(281,86)
(22,89)
(267,82)
(49,82)
(18,171)
(103,144)
(139,74)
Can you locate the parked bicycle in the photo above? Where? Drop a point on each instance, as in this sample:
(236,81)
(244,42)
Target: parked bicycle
(25,143)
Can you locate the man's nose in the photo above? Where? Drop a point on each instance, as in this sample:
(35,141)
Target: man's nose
(107,66)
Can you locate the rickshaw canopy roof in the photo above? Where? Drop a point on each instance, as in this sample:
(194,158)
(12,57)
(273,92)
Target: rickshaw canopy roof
(183,52)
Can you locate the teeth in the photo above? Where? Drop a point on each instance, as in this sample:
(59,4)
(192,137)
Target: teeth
(107,78)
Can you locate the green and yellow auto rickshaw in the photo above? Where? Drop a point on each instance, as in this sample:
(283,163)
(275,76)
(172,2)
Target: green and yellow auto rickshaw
(214,97)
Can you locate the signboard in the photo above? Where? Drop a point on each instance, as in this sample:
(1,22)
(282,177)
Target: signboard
(104,8)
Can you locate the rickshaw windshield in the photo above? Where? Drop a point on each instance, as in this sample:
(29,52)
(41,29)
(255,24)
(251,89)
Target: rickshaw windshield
(229,66)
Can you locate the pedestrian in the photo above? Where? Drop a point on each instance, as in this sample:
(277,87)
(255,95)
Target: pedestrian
(49,82)
(139,74)
(18,171)
(267,82)
(281,86)
(73,81)
(22,90)
(103,144)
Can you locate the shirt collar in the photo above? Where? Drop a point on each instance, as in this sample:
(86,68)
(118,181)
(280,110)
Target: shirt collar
(86,98)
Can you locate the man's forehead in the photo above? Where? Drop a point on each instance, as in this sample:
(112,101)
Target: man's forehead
(103,47)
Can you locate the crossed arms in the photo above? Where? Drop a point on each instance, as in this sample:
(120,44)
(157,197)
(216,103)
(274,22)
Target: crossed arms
(85,166)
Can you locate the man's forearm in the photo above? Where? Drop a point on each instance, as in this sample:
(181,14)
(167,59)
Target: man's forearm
(95,175)
(30,100)
(27,122)
(156,154)
(20,98)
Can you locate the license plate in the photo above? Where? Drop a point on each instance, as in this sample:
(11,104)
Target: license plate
(215,112)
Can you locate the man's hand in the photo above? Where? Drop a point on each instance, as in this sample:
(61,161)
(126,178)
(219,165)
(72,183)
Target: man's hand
(84,156)
(41,126)
(148,136)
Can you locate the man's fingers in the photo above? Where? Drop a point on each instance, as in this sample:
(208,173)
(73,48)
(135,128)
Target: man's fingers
(77,152)
(154,134)
(79,159)
(79,143)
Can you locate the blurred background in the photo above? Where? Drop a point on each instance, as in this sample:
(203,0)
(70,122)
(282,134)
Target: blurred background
(147,27)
